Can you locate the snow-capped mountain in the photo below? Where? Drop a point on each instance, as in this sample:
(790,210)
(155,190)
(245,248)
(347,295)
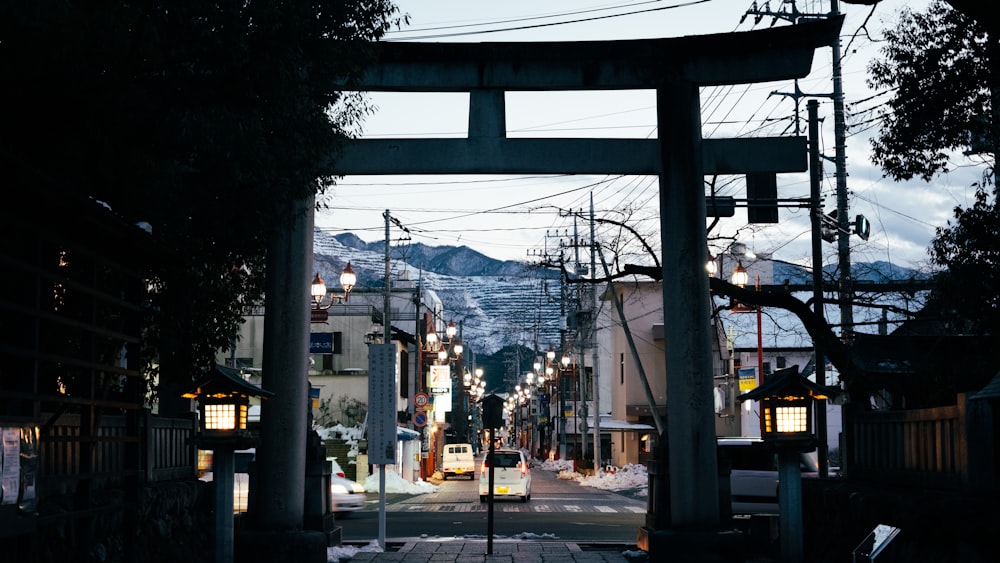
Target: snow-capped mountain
(502,303)
(497,302)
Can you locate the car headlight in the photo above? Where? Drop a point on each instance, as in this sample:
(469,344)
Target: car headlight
(338,489)
(357,488)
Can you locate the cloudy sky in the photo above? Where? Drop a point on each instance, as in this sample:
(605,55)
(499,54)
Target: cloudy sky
(522,217)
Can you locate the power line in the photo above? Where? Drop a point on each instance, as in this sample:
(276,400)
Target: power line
(567,22)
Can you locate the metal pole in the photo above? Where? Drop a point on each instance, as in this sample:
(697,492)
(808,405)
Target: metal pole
(387,338)
(489,511)
(815,178)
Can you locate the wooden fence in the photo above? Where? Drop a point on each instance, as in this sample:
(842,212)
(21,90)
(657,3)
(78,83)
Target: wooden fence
(947,448)
(170,450)
(165,443)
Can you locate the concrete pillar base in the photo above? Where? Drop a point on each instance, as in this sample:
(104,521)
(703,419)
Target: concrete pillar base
(689,546)
(262,546)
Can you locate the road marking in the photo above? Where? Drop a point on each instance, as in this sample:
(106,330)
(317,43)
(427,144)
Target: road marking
(605,509)
(572,508)
(636,509)
(543,508)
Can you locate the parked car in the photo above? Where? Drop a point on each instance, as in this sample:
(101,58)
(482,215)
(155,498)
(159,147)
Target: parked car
(345,494)
(458,460)
(241,478)
(754,478)
(511,475)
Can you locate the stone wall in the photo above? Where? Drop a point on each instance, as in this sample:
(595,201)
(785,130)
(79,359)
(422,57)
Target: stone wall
(173,523)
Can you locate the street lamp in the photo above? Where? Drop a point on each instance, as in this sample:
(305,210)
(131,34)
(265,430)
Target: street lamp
(348,279)
(711,266)
(318,313)
(223,402)
(787,412)
(740,276)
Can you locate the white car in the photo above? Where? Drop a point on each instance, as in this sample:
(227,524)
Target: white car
(511,475)
(753,481)
(345,495)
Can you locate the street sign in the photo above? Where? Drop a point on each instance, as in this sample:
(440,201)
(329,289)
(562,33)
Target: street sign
(381,404)
(421,400)
(420,418)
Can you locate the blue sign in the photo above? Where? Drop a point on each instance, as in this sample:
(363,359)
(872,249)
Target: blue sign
(320,343)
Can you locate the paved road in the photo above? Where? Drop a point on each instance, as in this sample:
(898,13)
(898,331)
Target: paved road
(548,494)
(559,508)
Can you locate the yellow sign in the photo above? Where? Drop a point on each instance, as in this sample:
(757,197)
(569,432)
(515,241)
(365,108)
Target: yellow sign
(747,378)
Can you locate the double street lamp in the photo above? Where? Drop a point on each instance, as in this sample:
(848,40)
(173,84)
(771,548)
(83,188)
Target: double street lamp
(318,289)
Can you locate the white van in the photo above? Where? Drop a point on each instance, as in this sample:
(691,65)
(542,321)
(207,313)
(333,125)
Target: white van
(458,460)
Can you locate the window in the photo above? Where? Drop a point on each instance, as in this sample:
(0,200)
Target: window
(753,458)
(504,459)
(404,374)
(621,370)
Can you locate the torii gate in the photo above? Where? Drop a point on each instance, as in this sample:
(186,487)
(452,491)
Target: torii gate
(676,68)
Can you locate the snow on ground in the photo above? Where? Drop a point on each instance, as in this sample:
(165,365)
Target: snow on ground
(345,552)
(396,484)
(350,434)
(632,476)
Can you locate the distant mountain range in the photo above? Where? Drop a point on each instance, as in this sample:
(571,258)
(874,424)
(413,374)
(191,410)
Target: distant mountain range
(500,302)
(877,272)
(497,302)
(459,261)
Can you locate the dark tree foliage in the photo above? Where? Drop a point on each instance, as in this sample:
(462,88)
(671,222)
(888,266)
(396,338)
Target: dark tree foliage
(969,250)
(200,118)
(937,66)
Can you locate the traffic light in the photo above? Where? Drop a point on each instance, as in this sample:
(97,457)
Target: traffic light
(862,227)
(762,198)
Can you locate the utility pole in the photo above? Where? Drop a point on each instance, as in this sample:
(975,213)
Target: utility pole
(592,342)
(845,284)
(815,176)
(582,327)
(846,292)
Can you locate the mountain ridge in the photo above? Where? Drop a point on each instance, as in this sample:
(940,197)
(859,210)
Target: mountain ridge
(502,302)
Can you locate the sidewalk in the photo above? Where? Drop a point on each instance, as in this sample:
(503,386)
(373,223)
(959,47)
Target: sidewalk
(509,551)
(506,551)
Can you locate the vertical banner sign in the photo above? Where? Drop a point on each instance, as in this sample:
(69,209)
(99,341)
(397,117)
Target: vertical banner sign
(748,379)
(382,404)
(439,384)
(439,380)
